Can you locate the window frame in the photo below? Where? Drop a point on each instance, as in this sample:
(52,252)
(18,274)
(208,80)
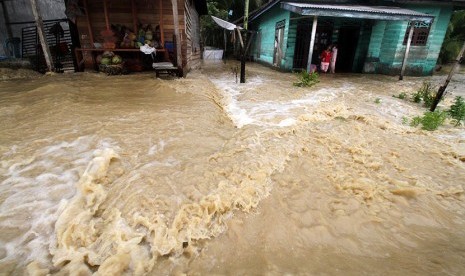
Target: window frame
(421,32)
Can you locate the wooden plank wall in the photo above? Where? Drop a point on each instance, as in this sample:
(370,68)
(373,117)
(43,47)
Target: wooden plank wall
(192,31)
(120,12)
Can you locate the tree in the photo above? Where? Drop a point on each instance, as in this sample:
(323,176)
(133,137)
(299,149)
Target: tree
(455,36)
(212,34)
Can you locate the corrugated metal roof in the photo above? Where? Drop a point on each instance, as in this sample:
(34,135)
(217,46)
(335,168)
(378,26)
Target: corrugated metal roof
(356,11)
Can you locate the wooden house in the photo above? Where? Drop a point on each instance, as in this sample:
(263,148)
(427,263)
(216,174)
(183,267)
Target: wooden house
(377,36)
(174,25)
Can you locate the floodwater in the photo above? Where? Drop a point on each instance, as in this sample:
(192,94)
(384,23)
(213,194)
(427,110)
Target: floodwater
(131,175)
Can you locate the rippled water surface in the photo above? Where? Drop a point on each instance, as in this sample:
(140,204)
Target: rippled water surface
(141,176)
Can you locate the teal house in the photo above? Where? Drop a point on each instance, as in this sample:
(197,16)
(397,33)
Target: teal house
(373,36)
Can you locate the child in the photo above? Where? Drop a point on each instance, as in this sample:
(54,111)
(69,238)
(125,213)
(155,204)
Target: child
(325,59)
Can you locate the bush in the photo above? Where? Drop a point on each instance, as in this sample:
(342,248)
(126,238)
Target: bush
(426,93)
(307,79)
(430,120)
(457,111)
(401,96)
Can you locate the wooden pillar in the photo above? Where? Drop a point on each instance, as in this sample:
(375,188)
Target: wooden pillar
(174,4)
(312,43)
(89,26)
(243,50)
(134,16)
(407,50)
(162,33)
(42,37)
(105,11)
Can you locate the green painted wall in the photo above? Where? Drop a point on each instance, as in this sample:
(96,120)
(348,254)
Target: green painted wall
(380,47)
(386,49)
(362,46)
(290,45)
(266,25)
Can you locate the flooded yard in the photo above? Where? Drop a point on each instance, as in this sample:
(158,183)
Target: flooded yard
(132,175)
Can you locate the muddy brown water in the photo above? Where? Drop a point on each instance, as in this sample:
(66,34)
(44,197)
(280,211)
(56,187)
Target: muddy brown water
(132,175)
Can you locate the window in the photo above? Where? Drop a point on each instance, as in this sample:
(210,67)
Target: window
(420,33)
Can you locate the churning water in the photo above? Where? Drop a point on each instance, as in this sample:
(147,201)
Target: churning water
(141,176)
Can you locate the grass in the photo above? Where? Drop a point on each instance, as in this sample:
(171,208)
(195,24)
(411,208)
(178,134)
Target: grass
(307,79)
(426,93)
(401,96)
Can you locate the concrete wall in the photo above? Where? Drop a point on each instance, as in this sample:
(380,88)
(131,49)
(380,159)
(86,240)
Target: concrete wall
(20,11)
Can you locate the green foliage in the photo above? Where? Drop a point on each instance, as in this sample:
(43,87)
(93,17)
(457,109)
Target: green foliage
(307,79)
(377,101)
(401,96)
(404,120)
(211,33)
(457,111)
(430,120)
(426,93)
(455,36)
(416,97)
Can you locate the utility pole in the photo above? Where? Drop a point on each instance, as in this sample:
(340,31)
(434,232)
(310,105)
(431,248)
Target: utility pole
(243,49)
(42,37)
(442,89)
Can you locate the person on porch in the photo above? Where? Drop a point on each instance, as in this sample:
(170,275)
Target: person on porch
(325,59)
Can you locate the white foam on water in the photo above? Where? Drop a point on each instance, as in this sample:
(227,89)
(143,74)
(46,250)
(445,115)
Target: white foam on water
(270,113)
(35,192)
(158,147)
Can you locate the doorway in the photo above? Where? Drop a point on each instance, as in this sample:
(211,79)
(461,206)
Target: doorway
(347,46)
(323,36)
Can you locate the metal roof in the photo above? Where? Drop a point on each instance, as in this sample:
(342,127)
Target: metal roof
(356,11)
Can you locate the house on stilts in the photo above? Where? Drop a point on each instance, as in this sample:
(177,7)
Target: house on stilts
(378,36)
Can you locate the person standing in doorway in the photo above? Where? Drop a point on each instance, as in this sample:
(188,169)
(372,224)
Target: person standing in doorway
(332,64)
(325,59)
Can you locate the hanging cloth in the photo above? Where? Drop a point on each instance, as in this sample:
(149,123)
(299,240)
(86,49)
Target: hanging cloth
(146,49)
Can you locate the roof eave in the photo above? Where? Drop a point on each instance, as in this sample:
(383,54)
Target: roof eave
(355,14)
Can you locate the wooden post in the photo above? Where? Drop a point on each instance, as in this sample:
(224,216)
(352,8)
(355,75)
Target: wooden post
(312,44)
(240,37)
(105,11)
(42,37)
(243,50)
(442,89)
(174,4)
(89,26)
(407,50)
(162,34)
(134,16)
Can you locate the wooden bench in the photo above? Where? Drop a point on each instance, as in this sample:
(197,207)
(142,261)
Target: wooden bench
(166,68)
